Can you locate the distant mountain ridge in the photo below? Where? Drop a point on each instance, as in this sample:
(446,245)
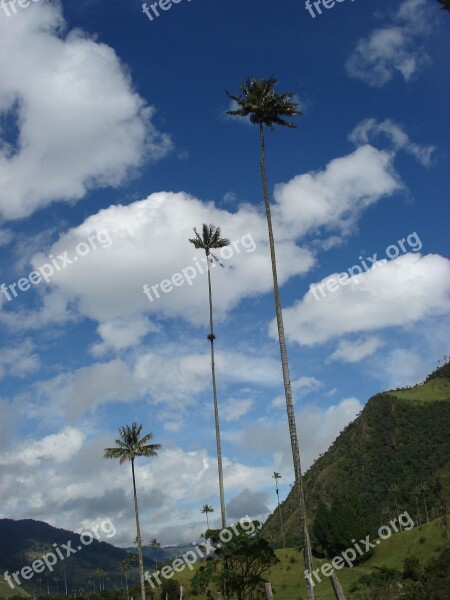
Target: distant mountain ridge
(23,541)
(401,438)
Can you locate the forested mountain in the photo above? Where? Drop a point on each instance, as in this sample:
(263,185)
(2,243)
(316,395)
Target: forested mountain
(395,454)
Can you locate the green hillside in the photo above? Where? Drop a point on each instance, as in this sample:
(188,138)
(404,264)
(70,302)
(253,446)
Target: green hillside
(426,543)
(401,438)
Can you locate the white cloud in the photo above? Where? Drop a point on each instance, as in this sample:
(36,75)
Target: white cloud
(399,139)
(394,48)
(19,360)
(335,197)
(234,408)
(108,283)
(354,351)
(82,126)
(73,394)
(392,293)
(56,448)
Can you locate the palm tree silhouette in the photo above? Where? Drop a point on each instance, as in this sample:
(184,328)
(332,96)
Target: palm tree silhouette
(206,508)
(211,240)
(154,544)
(264,106)
(277,476)
(131,445)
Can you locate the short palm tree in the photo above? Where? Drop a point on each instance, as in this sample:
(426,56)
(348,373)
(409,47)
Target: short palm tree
(131,445)
(277,476)
(206,508)
(154,544)
(211,240)
(264,106)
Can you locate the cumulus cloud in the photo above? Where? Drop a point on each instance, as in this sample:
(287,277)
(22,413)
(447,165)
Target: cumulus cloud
(107,285)
(81,125)
(393,49)
(61,491)
(392,293)
(335,197)
(398,138)
(354,351)
(57,448)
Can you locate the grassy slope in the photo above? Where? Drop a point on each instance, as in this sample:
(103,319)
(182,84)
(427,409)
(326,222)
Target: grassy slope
(286,576)
(7,592)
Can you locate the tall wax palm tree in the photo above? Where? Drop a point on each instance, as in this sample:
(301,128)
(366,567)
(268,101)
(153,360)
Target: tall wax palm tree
(206,508)
(264,106)
(56,580)
(154,544)
(131,445)
(211,240)
(277,476)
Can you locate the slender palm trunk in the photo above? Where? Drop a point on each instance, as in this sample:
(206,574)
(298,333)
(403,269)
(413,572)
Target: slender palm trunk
(207,521)
(307,556)
(216,407)
(426,508)
(138,531)
(398,514)
(281,517)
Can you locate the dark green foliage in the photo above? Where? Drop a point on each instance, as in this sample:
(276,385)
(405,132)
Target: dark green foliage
(170,589)
(239,565)
(412,568)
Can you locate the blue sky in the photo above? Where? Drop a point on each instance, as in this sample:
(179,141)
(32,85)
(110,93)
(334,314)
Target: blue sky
(114,144)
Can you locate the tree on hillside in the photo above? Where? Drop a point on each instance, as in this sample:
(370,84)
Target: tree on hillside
(206,508)
(264,106)
(277,476)
(240,564)
(131,445)
(154,544)
(211,240)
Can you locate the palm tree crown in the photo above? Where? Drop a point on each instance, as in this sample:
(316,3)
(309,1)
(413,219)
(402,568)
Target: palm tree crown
(132,444)
(263,104)
(209,240)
